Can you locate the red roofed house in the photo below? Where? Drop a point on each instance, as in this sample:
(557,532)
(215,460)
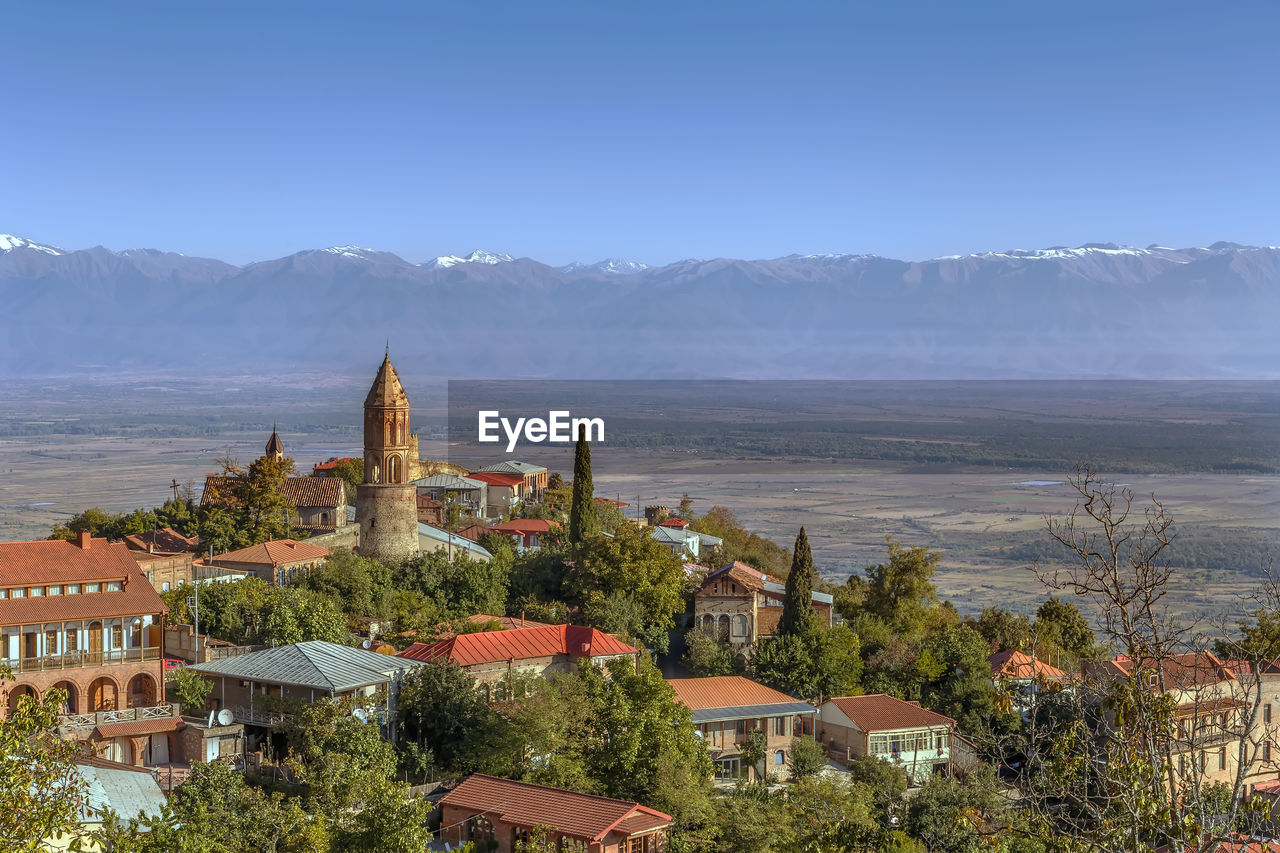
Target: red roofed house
(527,533)
(1023,676)
(916,739)
(727,708)
(319,502)
(165,556)
(488,809)
(743,604)
(504,492)
(80,616)
(277,561)
(674,522)
(491,657)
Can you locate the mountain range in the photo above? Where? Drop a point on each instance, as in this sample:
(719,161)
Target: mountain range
(1092,311)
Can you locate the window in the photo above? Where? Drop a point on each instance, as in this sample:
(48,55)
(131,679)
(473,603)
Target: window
(114,586)
(779,758)
(779,725)
(51,641)
(479,828)
(55,590)
(740,727)
(1222,758)
(728,768)
(37,592)
(4,593)
(92,587)
(19,592)
(1266,713)
(73,639)
(117,636)
(573,845)
(1266,751)
(164,587)
(73,589)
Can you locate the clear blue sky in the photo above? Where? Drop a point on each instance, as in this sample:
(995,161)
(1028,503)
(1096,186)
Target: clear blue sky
(653,131)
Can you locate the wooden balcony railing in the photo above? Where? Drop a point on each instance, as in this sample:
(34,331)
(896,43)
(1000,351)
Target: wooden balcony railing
(75,660)
(80,722)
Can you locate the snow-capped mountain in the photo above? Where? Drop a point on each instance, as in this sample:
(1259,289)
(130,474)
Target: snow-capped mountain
(609,266)
(8,243)
(1097,310)
(477,257)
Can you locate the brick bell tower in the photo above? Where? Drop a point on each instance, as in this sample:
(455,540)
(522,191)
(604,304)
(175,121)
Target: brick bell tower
(387,501)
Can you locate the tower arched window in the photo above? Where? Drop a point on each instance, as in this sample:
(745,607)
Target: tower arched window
(393,470)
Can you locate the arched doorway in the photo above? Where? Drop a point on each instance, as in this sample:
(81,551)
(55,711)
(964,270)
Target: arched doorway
(724,627)
(708,623)
(103,695)
(142,691)
(70,705)
(16,693)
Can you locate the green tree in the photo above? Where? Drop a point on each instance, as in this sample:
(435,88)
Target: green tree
(192,690)
(248,506)
(797,609)
(459,586)
(582,511)
(317,731)
(807,757)
(360,585)
(705,654)
(1062,627)
(829,815)
(1002,629)
(949,816)
(298,615)
(351,471)
(901,590)
(441,710)
(40,788)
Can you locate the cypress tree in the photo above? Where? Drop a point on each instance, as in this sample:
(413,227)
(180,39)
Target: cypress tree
(582,512)
(797,614)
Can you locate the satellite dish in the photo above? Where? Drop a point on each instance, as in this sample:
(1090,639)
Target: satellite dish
(360,714)
(366,644)
(225,717)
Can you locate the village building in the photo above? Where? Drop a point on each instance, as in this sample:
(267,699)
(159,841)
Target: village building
(432,538)
(494,658)
(903,733)
(505,491)
(258,687)
(1023,677)
(684,543)
(486,810)
(470,496)
(527,534)
(80,616)
(326,469)
(108,787)
(320,503)
(163,542)
(728,708)
(277,562)
(430,511)
(535,476)
(743,605)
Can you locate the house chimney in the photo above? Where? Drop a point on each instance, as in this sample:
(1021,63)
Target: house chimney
(83,539)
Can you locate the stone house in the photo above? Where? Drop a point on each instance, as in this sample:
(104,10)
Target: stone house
(486,810)
(743,605)
(903,733)
(534,476)
(277,561)
(80,616)
(728,708)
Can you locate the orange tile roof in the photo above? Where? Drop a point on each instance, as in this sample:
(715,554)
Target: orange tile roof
(577,641)
(55,561)
(725,691)
(474,532)
(1181,671)
(673,522)
(273,553)
(166,541)
(333,463)
(138,727)
(527,805)
(1017,665)
(749,576)
(880,712)
(494,478)
(612,502)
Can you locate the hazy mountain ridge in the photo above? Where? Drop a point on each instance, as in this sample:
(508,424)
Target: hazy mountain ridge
(1095,310)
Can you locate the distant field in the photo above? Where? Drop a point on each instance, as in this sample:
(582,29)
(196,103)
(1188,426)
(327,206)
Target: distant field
(968,468)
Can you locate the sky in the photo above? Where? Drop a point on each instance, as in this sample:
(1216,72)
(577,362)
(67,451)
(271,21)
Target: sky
(650,131)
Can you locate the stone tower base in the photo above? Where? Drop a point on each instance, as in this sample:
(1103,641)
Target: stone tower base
(388,515)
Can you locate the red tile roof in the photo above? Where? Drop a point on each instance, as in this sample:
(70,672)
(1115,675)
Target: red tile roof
(428,502)
(576,641)
(749,576)
(496,479)
(725,691)
(56,561)
(880,712)
(674,522)
(273,553)
(611,502)
(525,525)
(333,463)
(316,491)
(1017,665)
(567,812)
(474,532)
(1181,671)
(166,541)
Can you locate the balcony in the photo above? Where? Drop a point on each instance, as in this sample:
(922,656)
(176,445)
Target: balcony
(75,660)
(80,723)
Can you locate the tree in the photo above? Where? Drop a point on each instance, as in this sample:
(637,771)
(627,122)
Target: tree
(317,731)
(458,586)
(299,615)
(1002,629)
(247,506)
(40,788)
(1061,627)
(797,610)
(830,815)
(706,654)
(949,816)
(582,511)
(192,690)
(901,590)
(351,471)
(361,586)
(807,757)
(754,749)
(441,710)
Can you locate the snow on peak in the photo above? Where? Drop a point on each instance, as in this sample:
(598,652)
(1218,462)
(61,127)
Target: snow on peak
(8,243)
(477,257)
(356,252)
(609,266)
(1065,252)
